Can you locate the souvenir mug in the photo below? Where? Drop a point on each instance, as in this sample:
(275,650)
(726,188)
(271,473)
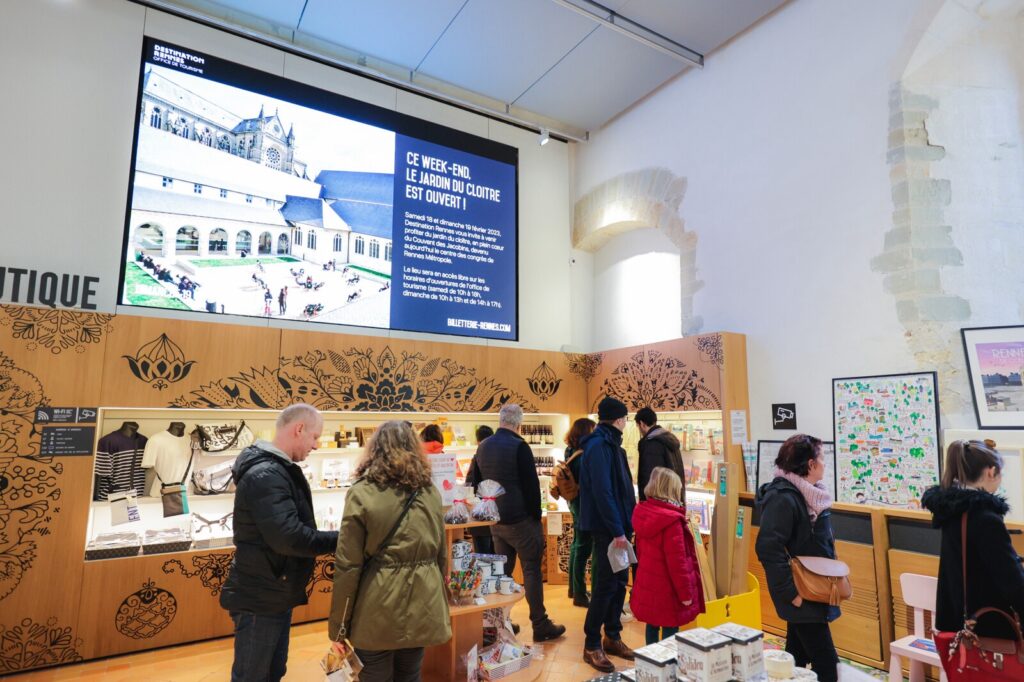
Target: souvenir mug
(506,585)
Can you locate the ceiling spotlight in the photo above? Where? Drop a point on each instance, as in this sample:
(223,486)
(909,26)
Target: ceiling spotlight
(545,137)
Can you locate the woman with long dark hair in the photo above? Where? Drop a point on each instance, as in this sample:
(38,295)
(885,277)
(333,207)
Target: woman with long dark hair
(973,472)
(796,521)
(389,597)
(582,544)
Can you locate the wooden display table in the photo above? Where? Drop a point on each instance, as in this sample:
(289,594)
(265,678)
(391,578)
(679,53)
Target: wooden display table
(448,661)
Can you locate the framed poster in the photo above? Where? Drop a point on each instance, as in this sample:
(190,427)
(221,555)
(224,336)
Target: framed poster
(768,450)
(887,438)
(995,365)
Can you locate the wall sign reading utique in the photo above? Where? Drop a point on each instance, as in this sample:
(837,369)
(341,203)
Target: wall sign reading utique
(34,287)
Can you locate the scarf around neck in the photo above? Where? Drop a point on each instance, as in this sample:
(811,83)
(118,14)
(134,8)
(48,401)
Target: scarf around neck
(816,495)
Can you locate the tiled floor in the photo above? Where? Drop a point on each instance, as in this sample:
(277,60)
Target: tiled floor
(560,661)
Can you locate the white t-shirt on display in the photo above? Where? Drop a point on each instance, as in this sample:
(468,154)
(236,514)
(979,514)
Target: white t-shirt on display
(168,456)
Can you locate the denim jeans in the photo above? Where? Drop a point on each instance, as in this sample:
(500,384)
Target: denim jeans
(654,634)
(524,540)
(398,665)
(581,549)
(261,646)
(812,643)
(607,595)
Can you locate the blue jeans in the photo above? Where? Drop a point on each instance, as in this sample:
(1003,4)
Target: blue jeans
(654,634)
(607,595)
(261,646)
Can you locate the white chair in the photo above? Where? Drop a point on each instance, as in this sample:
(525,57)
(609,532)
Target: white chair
(918,648)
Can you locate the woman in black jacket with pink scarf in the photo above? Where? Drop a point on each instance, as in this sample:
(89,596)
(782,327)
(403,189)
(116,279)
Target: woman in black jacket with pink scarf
(972,475)
(796,514)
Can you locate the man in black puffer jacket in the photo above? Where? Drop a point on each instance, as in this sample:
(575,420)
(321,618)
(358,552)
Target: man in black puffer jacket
(276,544)
(657,448)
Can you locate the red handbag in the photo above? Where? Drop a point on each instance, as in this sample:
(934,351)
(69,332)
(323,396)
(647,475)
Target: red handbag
(972,658)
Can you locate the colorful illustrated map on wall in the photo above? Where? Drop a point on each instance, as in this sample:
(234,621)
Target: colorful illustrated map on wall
(887,442)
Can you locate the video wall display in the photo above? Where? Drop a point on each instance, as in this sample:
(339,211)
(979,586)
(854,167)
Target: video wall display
(255,195)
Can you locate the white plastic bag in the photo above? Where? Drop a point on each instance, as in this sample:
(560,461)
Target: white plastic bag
(620,559)
(487,510)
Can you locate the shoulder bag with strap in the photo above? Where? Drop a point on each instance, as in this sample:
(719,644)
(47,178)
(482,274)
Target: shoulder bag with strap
(969,657)
(820,579)
(174,496)
(563,483)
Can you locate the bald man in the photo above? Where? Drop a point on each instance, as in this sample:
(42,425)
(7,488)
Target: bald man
(276,544)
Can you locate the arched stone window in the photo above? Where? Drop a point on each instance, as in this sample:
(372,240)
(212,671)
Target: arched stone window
(374,248)
(360,246)
(156,118)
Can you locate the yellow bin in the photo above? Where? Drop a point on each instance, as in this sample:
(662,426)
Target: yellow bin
(743,608)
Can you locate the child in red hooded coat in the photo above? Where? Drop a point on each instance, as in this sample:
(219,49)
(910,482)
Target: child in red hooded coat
(667,592)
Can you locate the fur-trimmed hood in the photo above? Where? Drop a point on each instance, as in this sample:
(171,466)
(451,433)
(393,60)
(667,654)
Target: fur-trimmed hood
(947,505)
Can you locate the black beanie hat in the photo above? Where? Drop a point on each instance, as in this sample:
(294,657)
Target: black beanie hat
(610,409)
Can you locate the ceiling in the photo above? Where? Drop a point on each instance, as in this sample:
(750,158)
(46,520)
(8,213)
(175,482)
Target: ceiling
(535,61)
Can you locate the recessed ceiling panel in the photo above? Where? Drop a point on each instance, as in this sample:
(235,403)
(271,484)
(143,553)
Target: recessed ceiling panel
(700,25)
(280,12)
(500,48)
(606,74)
(397,31)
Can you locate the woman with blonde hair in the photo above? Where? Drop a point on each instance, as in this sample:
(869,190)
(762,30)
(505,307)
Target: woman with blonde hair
(389,598)
(667,592)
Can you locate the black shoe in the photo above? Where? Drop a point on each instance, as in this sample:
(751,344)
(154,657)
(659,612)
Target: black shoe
(547,631)
(583,601)
(570,592)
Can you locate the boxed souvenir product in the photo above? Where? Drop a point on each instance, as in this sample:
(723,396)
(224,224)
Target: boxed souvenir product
(747,649)
(655,663)
(704,656)
(166,540)
(113,546)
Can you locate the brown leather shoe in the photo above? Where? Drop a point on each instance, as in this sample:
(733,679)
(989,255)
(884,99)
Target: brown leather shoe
(596,659)
(616,647)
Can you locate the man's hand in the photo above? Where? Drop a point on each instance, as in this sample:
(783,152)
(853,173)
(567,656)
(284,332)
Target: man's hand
(798,601)
(620,542)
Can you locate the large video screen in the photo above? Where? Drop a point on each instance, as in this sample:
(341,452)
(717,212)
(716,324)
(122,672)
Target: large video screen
(256,195)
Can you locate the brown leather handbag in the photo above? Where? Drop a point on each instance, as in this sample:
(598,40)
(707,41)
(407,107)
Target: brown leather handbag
(821,580)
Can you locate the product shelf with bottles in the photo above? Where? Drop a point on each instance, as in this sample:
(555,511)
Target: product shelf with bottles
(329,469)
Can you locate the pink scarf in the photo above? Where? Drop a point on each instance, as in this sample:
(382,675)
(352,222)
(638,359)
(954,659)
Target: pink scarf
(816,495)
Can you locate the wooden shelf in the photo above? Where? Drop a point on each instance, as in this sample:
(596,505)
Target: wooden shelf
(493,601)
(471,524)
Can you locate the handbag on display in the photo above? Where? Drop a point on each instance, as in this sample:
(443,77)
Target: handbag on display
(216,438)
(214,479)
(215,532)
(819,579)
(174,496)
(969,657)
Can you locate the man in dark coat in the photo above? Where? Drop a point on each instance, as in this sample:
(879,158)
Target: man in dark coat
(606,511)
(658,448)
(276,544)
(506,458)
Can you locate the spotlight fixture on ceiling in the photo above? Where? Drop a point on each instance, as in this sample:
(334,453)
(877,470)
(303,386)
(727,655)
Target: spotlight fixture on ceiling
(545,137)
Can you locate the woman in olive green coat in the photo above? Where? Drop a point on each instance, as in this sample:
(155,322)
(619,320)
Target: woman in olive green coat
(392,607)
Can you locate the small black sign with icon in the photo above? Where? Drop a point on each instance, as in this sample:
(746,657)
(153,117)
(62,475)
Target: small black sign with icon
(65,415)
(784,416)
(66,440)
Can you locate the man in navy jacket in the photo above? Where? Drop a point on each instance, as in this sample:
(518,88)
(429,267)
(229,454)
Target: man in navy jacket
(606,511)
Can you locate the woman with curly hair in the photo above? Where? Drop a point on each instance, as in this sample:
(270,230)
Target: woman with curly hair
(389,596)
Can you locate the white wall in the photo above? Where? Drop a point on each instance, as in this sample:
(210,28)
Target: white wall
(636,290)
(782,138)
(70,76)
